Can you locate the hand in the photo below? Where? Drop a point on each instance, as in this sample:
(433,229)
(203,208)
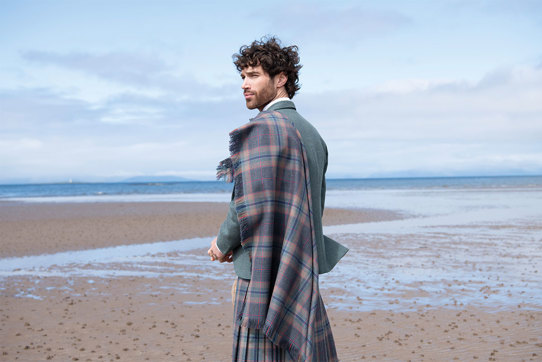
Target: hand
(216,254)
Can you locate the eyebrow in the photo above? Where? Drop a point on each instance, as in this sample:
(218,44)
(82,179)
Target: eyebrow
(252,72)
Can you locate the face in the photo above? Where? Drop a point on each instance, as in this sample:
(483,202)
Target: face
(259,88)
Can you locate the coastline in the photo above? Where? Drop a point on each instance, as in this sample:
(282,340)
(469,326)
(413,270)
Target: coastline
(44,228)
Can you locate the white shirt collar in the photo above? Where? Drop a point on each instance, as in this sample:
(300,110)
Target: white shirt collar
(275,101)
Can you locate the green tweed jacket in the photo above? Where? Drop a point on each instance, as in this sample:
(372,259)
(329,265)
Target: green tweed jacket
(329,251)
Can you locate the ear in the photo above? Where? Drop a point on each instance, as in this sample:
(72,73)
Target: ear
(281,79)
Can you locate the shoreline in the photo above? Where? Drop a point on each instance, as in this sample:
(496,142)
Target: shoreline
(44,228)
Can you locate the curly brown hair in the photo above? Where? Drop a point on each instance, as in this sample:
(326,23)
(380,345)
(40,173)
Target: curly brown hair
(273,58)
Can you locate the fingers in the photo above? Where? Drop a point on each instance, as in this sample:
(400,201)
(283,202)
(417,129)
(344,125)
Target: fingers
(211,251)
(211,255)
(215,254)
(228,258)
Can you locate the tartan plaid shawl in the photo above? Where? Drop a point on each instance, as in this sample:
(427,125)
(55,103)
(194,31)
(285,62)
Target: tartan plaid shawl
(269,166)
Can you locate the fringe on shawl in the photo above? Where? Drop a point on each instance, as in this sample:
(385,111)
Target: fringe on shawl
(226,171)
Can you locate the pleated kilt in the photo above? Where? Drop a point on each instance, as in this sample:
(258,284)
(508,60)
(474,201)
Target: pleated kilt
(251,344)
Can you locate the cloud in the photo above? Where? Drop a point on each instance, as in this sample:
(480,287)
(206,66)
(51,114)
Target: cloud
(530,8)
(315,23)
(167,111)
(42,109)
(402,127)
(132,69)
(136,69)
(18,145)
(49,136)
(437,126)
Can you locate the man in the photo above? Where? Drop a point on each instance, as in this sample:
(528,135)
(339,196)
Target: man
(273,231)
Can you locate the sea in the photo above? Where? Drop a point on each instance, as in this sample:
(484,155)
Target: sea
(219,191)
(460,241)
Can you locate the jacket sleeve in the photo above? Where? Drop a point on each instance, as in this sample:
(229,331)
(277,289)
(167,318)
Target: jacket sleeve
(229,235)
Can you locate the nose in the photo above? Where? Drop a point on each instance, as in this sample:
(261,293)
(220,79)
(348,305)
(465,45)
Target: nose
(245,84)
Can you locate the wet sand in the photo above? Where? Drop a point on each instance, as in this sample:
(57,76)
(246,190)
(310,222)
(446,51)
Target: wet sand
(182,312)
(135,320)
(38,228)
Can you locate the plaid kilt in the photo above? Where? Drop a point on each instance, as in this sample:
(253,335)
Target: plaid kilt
(251,344)
(282,300)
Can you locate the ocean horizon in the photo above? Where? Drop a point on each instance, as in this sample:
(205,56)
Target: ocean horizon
(101,191)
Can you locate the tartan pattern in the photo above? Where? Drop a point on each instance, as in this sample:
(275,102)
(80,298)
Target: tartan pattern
(250,344)
(272,197)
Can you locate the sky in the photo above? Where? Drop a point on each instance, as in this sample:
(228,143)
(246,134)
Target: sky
(108,90)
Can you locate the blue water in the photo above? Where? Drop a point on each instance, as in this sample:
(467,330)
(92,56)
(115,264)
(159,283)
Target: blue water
(96,190)
(117,188)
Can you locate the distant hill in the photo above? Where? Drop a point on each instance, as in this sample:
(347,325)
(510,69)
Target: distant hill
(156,179)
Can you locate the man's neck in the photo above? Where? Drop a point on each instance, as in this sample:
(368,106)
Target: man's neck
(276,100)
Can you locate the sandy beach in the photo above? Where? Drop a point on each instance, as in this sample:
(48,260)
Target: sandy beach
(42,228)
(175,305)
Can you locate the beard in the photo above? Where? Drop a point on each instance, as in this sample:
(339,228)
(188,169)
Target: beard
(261,98)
